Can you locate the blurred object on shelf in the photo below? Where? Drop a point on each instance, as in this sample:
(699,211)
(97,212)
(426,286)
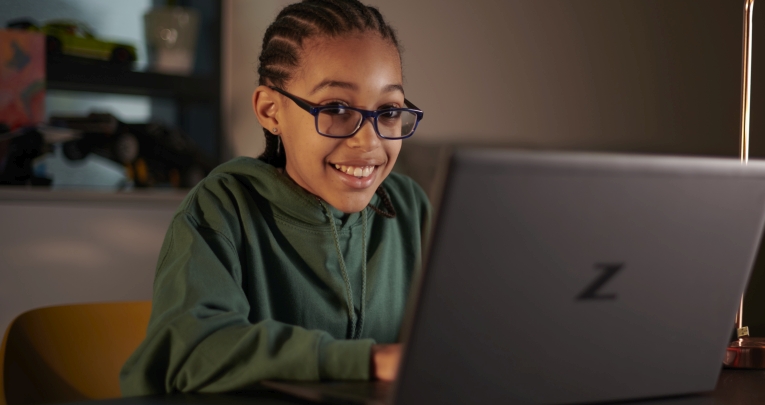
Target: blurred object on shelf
(74,38)
(23,24)
(53,135)
(22,79)
(21,147)
(171,37)
(90,172)
(153,155)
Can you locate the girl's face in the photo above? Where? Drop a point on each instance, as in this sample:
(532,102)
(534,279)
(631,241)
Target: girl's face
(362,71)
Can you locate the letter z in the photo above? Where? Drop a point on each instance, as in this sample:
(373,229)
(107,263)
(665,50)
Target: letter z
(591,292)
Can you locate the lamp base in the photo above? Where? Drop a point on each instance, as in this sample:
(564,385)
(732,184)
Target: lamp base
(746,352)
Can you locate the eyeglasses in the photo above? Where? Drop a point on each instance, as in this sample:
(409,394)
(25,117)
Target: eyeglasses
(340,121)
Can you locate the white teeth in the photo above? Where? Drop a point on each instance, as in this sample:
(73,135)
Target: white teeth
(357,171)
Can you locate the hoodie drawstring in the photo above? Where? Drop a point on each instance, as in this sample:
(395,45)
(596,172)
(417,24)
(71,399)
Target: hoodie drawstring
(356,331)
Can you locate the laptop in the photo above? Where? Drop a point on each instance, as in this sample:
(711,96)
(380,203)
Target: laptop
(562,278)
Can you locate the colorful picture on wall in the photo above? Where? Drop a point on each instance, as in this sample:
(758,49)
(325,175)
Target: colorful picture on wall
(22,78)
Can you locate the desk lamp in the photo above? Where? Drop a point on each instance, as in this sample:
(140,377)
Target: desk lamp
(746,352)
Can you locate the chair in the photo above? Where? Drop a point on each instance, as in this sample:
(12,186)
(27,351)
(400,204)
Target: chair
(69,352)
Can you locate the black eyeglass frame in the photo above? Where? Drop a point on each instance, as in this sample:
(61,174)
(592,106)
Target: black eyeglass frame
(365,114)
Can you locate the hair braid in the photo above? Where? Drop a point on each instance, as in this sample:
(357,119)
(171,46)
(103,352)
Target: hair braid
(284,38)
(389,211)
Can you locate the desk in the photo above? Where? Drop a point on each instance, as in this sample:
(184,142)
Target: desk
(734,387)
(744,387)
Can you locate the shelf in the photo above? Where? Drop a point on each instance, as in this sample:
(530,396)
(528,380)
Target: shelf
(148,198)
(78,74)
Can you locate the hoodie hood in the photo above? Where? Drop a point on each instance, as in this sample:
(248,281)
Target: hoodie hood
(284,194)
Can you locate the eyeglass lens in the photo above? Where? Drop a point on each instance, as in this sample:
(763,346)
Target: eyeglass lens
(342,122)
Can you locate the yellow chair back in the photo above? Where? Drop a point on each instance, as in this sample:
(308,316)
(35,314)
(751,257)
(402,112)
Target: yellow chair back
(70,352)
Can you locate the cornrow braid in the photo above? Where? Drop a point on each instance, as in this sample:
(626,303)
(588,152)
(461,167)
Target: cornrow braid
(284,38)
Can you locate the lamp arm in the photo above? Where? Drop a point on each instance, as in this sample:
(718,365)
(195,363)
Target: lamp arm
(746,80)
(746,95)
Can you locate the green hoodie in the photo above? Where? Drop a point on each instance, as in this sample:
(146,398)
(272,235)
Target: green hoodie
(250,285)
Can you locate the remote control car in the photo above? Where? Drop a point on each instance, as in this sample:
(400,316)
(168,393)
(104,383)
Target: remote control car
(69,37)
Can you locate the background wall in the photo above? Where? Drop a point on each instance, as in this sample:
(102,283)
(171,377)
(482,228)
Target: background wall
(244,23)
(627,75)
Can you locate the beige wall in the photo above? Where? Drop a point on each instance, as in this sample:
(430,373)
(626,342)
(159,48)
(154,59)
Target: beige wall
(626,75)
(244,23)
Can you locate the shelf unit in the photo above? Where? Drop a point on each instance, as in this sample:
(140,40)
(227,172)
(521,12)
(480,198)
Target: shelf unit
(196,98)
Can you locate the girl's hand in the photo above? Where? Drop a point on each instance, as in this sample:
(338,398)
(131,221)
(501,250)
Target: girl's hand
(385,359)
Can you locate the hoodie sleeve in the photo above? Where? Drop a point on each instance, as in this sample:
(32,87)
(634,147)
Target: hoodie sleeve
(200,339)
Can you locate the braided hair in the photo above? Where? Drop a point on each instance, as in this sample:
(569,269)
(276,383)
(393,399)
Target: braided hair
(284,38)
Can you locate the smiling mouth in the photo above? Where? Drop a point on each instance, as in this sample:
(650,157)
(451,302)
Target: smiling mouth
(356,171)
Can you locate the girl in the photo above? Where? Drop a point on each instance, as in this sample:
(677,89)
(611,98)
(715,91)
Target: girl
(296,265)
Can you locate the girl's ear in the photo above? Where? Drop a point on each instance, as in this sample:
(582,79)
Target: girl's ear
(265,104)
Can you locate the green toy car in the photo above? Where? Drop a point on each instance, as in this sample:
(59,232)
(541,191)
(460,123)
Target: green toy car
(77,39)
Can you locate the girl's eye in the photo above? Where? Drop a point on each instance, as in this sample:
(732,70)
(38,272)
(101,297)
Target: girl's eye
(335,107)
(335,110)
(390,114)
(389,111)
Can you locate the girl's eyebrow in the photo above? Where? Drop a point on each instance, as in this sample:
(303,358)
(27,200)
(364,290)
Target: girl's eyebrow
(333,83)
(393,87)
(351,86)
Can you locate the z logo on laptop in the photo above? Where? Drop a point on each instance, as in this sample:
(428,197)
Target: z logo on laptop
(592,292)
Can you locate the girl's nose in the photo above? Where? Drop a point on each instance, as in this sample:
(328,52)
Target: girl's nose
(366,138)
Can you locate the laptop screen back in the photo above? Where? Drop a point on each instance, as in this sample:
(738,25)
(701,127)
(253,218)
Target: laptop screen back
(565,278)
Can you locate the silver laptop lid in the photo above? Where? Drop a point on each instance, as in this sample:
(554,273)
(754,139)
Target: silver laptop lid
(563,278)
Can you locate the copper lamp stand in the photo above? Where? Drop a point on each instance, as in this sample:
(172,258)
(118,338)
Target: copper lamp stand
(747,351)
